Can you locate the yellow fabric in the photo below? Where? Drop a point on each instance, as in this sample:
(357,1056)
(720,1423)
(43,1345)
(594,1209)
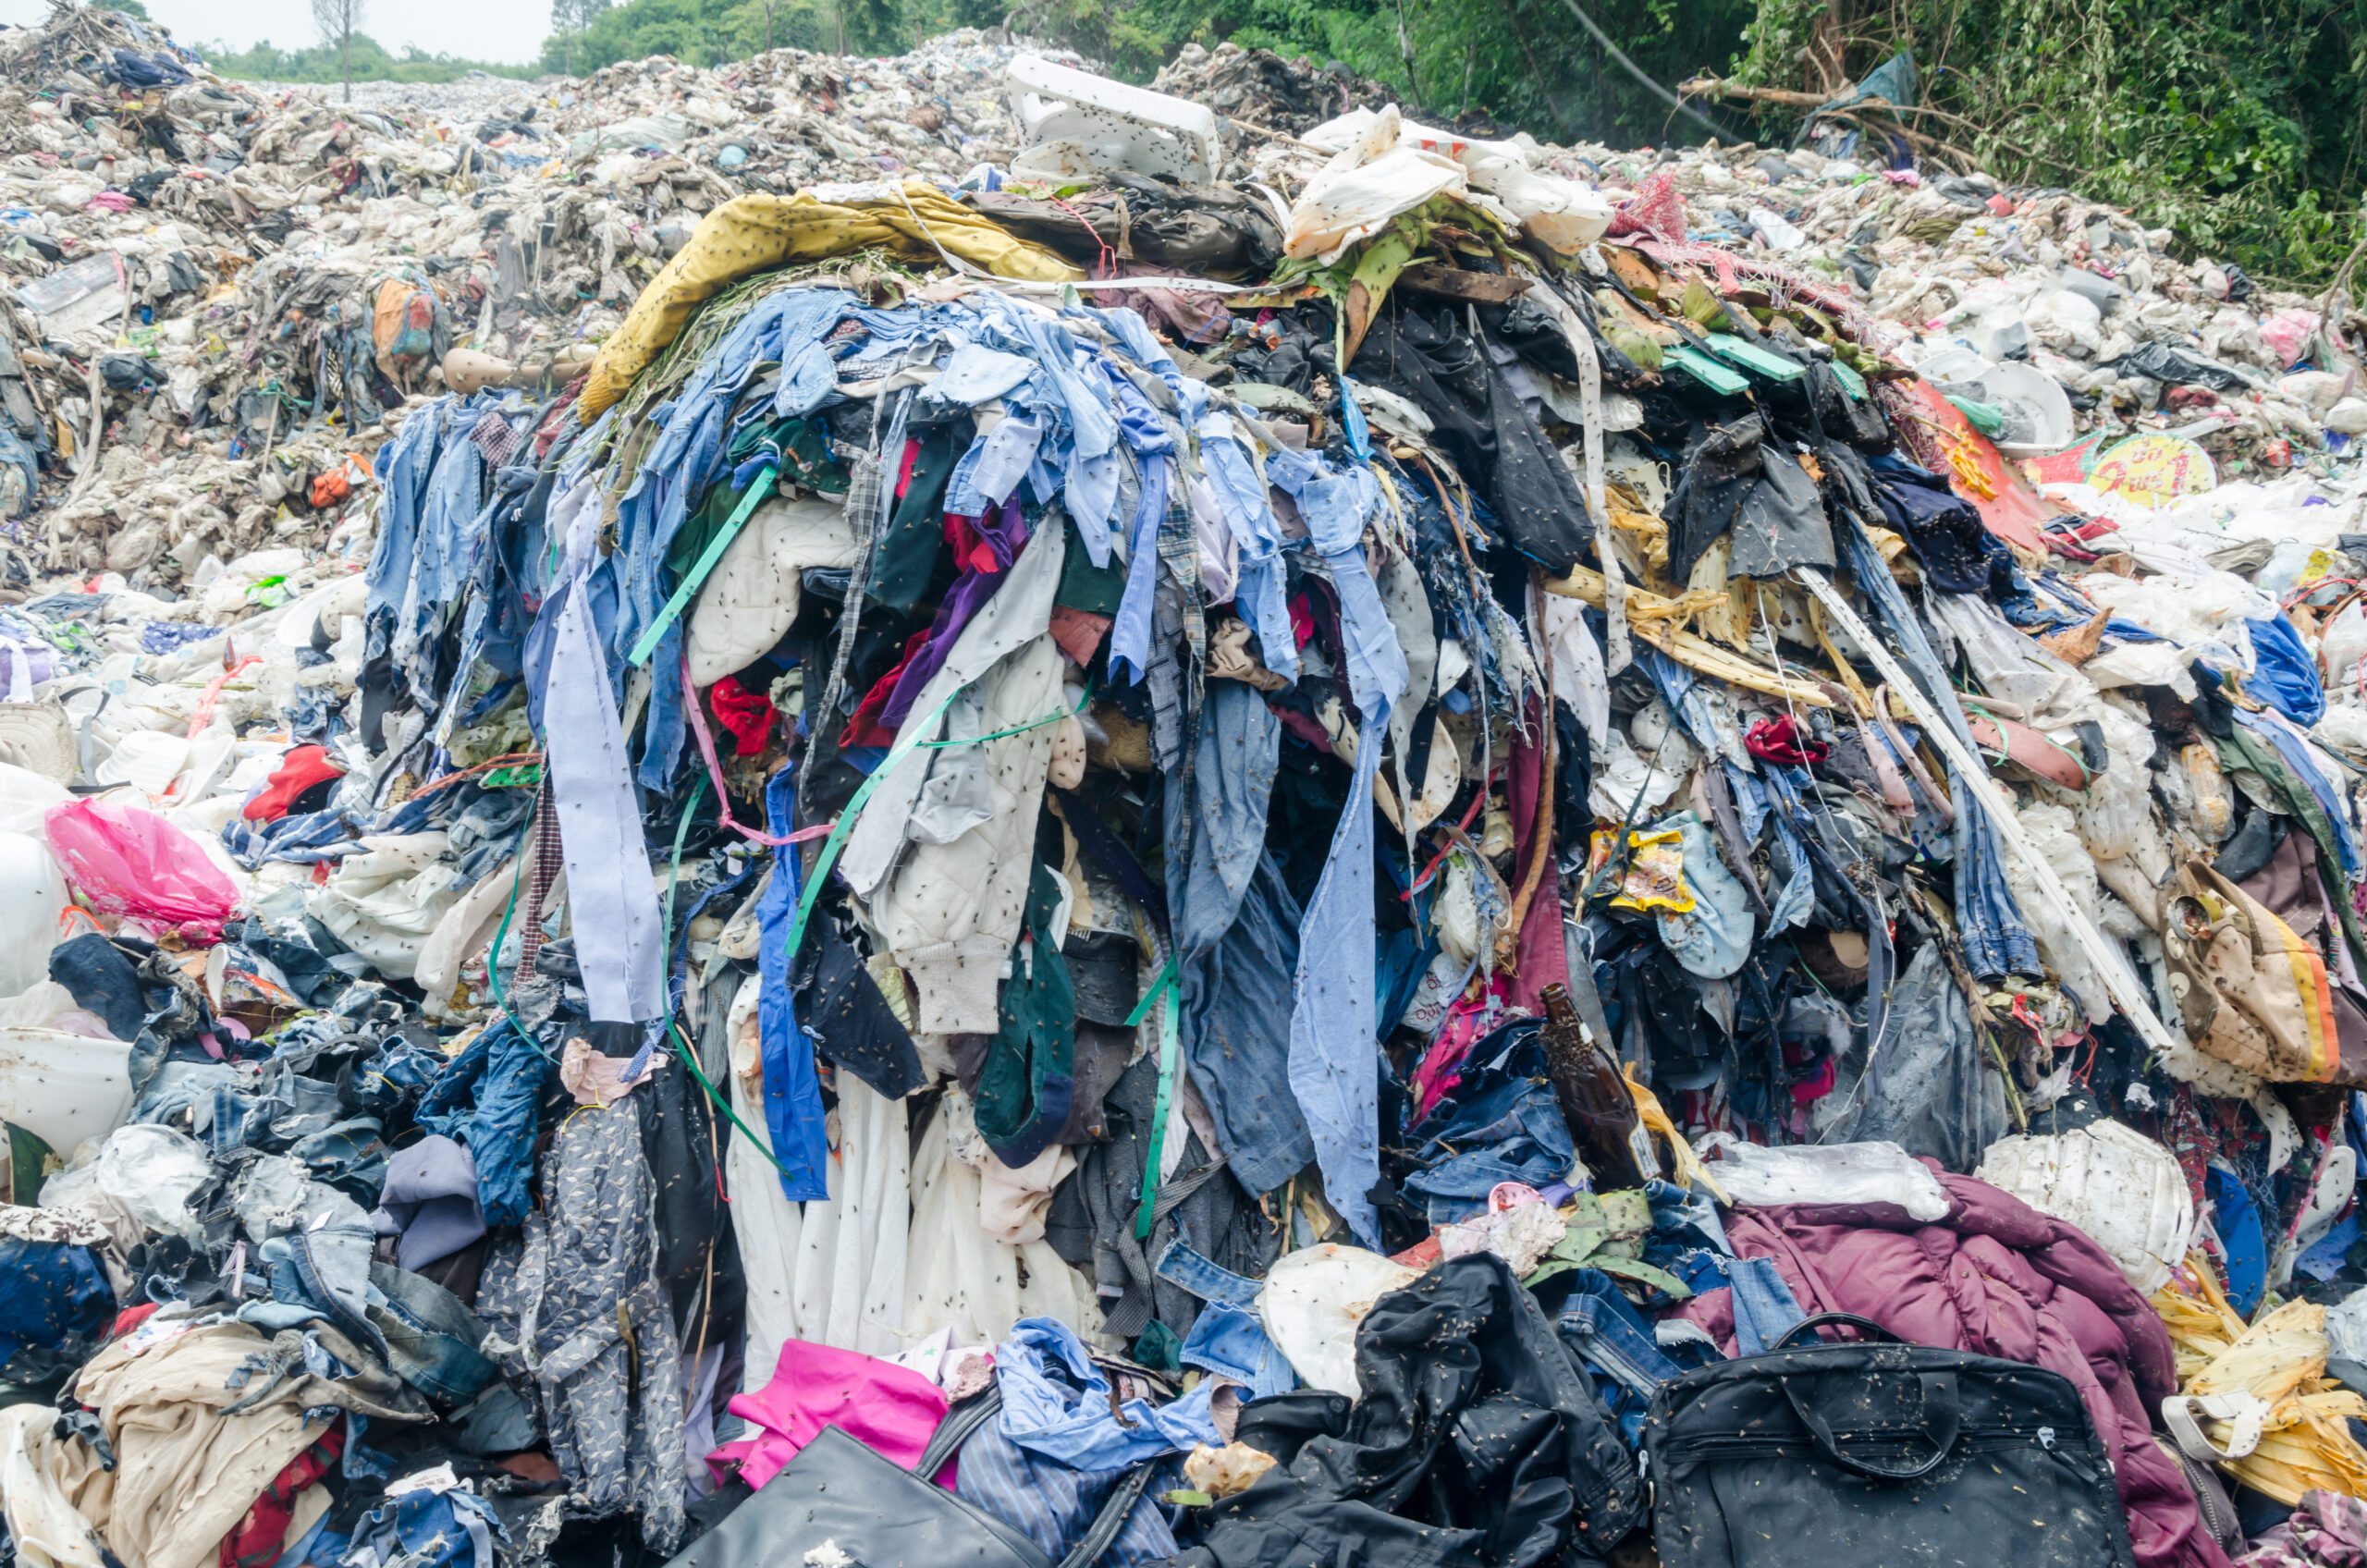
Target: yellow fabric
(749,234)
(1686,1164)
(2306,1444)
(1659,620)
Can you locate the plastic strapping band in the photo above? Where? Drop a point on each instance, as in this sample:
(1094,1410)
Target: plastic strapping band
(907,741)
(705,563)
(1167,993)
(2119,983)
(714,774)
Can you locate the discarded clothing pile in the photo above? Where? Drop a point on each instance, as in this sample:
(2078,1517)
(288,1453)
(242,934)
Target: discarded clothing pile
(1070,868)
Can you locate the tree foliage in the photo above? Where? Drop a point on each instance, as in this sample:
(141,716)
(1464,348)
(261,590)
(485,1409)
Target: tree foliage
(371,60)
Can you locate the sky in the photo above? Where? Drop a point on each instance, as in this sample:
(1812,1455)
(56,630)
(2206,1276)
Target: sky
(502,30)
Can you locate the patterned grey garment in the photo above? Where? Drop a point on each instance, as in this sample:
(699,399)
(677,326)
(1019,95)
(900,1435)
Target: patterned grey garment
(580,1314)
(2328,1530)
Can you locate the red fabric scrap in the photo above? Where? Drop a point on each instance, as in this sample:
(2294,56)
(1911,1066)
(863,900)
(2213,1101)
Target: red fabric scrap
(863,727)
(262,1536)
(1784,739)
(130,1318)
(973,551)
(748,715)
(300,770)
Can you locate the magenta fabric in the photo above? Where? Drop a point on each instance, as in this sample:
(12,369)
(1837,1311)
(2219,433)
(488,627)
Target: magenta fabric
(890,1409)
(1997,1278)
(1540,959)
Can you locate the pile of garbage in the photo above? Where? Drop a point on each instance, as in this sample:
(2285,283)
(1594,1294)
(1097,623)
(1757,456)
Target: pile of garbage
(1257,88)
(1448,854)
(218,298)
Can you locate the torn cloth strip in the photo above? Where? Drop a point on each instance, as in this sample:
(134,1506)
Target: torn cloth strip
(793,1113)
(613,900)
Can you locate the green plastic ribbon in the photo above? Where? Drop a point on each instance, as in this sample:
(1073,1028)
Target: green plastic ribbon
(694,578)
(1167,992)
(907,743)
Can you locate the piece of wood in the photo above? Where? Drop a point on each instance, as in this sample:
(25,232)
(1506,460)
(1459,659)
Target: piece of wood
(1460,283)
(1718,86)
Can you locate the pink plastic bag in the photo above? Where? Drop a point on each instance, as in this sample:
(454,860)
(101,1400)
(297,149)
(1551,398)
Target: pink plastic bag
(130,862)
(2287,335)
(1656,211)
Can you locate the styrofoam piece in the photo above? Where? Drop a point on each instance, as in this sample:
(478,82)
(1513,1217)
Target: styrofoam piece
(1074,123)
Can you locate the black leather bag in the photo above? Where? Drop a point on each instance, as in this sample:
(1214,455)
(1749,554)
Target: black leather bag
(1821,1455)
(879,1516)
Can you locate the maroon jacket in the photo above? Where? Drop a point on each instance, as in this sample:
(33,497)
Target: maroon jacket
(1997,1278)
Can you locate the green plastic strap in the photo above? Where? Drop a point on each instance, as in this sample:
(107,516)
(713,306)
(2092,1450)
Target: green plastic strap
(693,579)
(1169,995)
(906,744)
(1749,356)
(1706,371)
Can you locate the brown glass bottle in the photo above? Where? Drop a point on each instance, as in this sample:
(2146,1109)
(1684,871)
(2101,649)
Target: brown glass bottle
(1595,1101)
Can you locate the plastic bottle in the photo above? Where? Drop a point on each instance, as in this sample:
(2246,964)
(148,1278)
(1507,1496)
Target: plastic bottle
(1595,1102)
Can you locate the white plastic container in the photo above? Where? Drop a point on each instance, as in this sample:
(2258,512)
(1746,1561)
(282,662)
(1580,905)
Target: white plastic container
(64,1088)
(1074,124)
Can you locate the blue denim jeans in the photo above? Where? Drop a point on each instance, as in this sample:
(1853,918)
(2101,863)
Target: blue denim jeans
(1765,1309)
(1230,1341)
(1227,1338)
(1616,1346)
(1187,1270)
(432,1339)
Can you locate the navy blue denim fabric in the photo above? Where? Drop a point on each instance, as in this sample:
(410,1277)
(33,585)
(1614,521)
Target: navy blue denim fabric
(399,1071)
(1608,1334)
(54,1305)
(488,1099)
(1236,940)
(1501,1123)
(432,1339)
